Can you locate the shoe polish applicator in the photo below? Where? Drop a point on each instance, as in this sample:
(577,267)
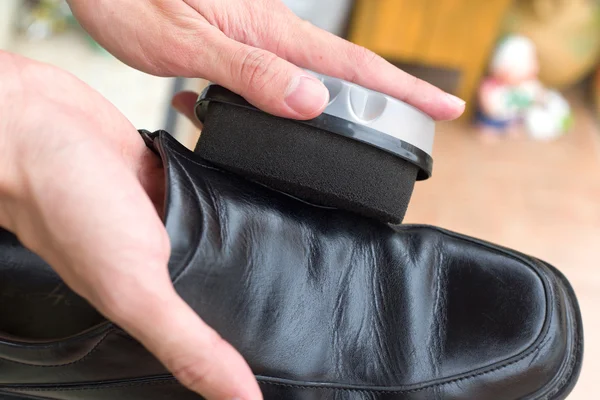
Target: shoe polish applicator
(363,154)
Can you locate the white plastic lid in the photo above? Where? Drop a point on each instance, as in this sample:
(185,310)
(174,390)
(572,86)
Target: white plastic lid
(379,112)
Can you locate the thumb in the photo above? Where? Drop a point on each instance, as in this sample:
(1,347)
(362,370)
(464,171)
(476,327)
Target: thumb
(265,80)
(196,355)
(107,242)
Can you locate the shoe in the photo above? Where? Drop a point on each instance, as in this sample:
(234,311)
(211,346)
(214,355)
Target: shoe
(323,304)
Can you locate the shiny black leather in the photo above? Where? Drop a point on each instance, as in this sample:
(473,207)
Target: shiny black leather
(323,305)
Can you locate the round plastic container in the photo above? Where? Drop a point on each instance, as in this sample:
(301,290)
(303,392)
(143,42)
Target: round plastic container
(363,154)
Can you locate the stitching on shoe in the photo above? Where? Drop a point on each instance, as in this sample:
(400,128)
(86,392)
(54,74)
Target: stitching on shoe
(103,327)
(29,397)
(100,386)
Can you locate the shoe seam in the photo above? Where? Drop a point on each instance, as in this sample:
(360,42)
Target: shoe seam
(98,386)
(82,358)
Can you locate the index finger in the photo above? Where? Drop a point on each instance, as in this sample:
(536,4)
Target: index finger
(310,47)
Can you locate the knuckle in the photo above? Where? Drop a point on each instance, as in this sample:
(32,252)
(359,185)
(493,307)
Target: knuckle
(112,304)
(411,86)
(195,373)
(117,300)
(362,58)
(121,294)
(191,374)
(158,247)
(304,25)
(183,50)
(123,304)
(256,69)
(414,82)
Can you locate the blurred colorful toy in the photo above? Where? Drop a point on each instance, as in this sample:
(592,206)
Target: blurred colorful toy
(512,98)
(566,34)
(510,87)
(549,117)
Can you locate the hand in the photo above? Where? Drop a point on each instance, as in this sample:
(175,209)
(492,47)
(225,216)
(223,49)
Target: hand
(252,47)
(77,186)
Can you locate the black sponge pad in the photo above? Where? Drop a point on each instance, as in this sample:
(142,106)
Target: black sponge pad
(314,165)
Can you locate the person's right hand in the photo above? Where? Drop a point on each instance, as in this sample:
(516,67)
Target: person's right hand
(77,186)
(252,47)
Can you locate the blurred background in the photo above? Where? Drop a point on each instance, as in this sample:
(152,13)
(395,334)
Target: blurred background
(521,168)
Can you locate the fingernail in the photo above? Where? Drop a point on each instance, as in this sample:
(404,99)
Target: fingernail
(307,96)
(456,100)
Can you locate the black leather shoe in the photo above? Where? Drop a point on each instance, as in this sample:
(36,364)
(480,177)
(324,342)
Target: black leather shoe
(322,304)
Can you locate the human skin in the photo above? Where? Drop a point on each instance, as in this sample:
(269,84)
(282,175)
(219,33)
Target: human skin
(255,48)
(79,187)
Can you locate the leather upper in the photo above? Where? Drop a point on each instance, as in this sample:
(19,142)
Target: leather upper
(323,304)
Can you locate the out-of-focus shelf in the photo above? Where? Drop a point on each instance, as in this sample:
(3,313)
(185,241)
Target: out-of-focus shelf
(457,35)
(8,12)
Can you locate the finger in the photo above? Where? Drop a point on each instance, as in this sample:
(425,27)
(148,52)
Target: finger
(264,79)
(196,355)
(108,244)
(310,47)
(185,103)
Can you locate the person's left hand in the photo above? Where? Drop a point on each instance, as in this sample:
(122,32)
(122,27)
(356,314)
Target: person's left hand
(77,187)
(252,47)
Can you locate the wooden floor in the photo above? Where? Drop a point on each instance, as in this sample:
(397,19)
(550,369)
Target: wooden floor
(540,198)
